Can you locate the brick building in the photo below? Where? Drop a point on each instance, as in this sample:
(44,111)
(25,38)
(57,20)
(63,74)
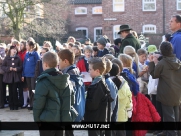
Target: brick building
(97,17)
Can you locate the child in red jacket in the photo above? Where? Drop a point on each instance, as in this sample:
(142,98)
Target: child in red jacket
(83,63)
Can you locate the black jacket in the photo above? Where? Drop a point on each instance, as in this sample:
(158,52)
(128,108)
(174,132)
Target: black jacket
(97,102)
(102,53)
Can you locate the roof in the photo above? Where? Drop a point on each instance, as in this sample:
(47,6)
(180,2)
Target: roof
(87,1)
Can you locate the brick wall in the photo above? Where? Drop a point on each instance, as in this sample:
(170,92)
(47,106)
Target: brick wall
(89,20)
(133,16)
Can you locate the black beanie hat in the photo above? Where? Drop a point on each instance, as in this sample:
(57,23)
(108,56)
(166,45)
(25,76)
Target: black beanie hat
(102,41)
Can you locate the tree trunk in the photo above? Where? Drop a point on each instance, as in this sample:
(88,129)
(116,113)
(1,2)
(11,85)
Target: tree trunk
(17,34)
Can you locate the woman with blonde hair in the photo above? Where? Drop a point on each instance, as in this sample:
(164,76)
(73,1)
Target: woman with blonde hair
(129,50)
(71,39)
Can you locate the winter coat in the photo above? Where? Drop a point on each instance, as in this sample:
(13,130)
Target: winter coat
(12,76)
(102,53)
(175,39)
(29,64)
(130,40)
(144,111)
(113,90)
(52,98)
(96,102)
(124,101)
(82,67)
(168,70)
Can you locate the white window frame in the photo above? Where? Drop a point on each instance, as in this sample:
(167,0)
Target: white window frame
(118,3)
(143,3)
(149,25)
(178,1)
(97,7)
(95,32)
(80,13)
(114,32)
(82,28)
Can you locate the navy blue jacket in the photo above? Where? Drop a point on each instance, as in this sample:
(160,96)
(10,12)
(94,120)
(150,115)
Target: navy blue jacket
(102,53)
(30,64)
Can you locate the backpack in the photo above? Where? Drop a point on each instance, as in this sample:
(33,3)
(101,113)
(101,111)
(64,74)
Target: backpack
(79,90)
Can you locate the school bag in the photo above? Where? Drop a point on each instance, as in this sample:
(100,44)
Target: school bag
(79,90)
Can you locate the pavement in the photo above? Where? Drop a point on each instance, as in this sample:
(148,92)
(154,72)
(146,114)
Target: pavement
(25,115)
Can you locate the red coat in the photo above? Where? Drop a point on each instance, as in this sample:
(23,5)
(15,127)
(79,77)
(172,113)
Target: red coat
(82,68)
(143,111)
(22,55)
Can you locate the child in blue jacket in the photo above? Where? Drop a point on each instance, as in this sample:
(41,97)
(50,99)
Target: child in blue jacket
(29,65)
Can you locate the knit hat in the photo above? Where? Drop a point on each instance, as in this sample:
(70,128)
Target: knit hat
(152,49)
(102,41)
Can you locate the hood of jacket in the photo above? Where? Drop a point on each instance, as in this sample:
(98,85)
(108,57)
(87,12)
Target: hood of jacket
(173,62)
(60,81)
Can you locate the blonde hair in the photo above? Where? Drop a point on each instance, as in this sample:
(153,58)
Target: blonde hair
(71,38)
(98,63)
(109,56)
(129,50)
(127,61)
(108,66)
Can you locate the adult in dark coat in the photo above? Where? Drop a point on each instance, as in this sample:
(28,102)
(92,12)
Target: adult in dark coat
(128,38)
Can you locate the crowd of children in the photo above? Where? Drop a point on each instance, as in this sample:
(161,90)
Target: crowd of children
(91,83)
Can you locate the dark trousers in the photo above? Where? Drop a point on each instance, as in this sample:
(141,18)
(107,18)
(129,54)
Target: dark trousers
(95,133)
(179,132)
(20,94)
(2,91)
(170,114)
(13,95)
(31,86)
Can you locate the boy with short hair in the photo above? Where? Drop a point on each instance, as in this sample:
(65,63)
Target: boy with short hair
(52,99)
(97,100)
(101,44)
(66,65)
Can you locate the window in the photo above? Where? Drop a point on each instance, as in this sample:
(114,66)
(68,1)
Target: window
(84,30)
(118,5)
(97,10)
(178,4)
(149,5)
(80,10)
(115,32)
(149,28)
(97,33)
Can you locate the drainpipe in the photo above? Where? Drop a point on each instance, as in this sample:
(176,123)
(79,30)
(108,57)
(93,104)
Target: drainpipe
(163,16)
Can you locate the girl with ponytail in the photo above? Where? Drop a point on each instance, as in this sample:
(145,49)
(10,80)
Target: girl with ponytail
(29,65)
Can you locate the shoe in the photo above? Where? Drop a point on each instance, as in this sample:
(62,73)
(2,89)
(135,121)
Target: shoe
(24,106)
(11,108)
(30,108)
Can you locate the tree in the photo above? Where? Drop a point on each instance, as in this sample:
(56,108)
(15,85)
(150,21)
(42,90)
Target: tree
(32,14)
